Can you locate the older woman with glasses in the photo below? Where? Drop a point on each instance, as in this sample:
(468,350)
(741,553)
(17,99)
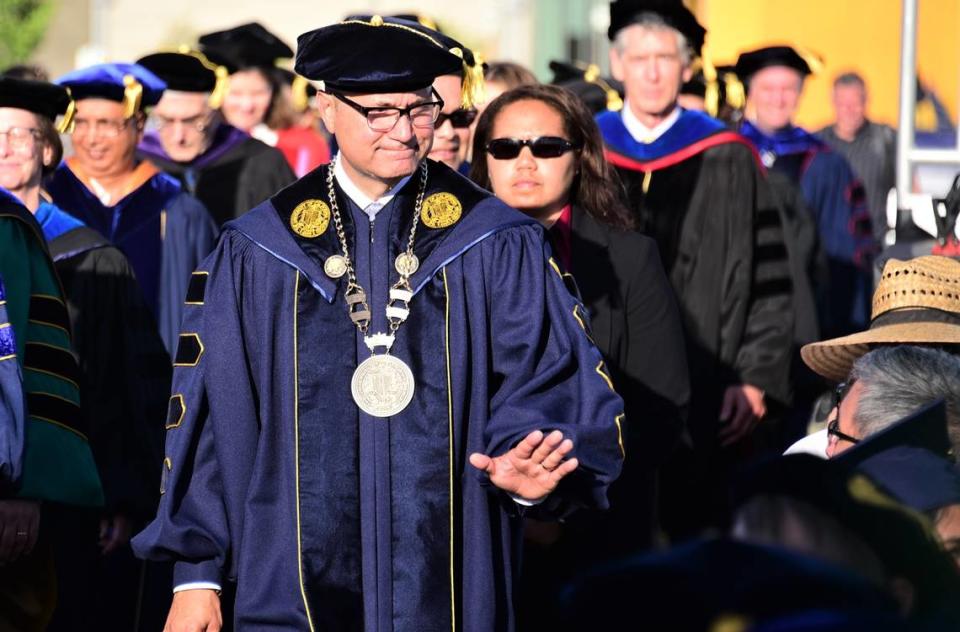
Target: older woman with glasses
(538,149)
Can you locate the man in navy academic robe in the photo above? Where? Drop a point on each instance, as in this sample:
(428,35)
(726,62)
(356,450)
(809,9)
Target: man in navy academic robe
(329,518)
(146,214)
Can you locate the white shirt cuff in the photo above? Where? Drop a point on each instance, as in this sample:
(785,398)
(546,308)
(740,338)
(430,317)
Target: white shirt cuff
(197,586)
(523,502)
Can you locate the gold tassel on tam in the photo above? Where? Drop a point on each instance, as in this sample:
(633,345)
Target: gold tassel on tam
(298,91)
(66,123)
(736,94)
(132,95)
(220,89)
(473,90)
(647,177)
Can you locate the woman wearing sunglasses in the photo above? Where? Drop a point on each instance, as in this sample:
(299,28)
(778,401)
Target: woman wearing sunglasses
(538,149)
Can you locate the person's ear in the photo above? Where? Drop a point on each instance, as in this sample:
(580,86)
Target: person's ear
(687,73)
(326,109)
(47,155)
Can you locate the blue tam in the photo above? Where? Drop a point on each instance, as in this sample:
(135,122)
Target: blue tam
(116,82)
(916,477)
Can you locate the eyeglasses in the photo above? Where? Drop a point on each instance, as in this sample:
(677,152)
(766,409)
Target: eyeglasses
(383,119)
(543,147)
(460,119)
(20,137)
(100,127)
(200,122)
(833,428)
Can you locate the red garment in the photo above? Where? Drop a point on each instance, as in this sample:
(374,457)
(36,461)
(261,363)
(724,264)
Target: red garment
(305,149)
(560,236)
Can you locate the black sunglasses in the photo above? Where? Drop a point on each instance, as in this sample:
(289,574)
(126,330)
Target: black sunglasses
(833,428)
(460,119)
(543,147)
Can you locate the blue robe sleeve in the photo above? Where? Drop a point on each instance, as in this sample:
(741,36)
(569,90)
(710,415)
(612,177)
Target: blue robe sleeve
(839,201)
(191,527)
(547,372)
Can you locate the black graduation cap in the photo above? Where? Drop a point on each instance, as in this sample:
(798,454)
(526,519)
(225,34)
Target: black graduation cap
(599,93)
(184,72)
(915,476)
(750,62)
(925,428)
(40,97)
(244,46)
(373,56)
(623,13)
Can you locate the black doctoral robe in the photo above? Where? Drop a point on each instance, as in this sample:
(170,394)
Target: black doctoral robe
(699,191)
(234,175)
(124,369)
(125,375)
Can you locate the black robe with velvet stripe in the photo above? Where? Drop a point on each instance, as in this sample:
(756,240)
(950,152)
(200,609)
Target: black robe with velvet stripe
(702,196)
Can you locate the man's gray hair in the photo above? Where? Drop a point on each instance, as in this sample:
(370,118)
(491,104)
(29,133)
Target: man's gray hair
(850,79)
(901,379)
(654,22)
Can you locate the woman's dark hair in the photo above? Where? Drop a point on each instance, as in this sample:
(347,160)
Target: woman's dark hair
(49,137)
(595,189)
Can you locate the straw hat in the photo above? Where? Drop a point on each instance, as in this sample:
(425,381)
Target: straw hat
(916,302)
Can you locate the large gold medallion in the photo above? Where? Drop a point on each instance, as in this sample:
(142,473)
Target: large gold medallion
(310,218)
(441,210)
(382,385)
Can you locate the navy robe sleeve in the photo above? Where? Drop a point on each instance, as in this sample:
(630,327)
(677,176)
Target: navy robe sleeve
(191,527)
(839,201)
(547,372)
(190,235)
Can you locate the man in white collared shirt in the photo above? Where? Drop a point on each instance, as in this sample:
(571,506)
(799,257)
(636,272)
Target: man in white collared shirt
(695,187)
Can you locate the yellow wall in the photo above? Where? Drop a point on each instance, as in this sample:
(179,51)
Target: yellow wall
(861,35)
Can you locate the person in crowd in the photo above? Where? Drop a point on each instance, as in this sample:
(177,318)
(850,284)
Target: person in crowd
(774,78)
(163,231)
(58,472)
(382,369)
(124,368)
(226,169)
(543,155)
(498,77)
(886,385)
(869,147)
(840,516)
(599,93)
(294,124)
(914,304)
(924,481)
(249,53)
(696,188)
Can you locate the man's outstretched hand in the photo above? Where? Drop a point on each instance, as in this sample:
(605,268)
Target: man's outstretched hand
(533,468)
